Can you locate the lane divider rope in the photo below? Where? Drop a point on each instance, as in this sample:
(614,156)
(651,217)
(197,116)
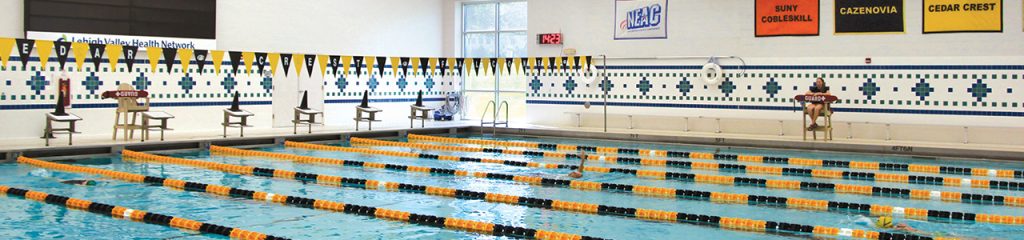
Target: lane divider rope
(735,224)
(136,215)
(898,167)
(302,202)
(866,190)
(696,195)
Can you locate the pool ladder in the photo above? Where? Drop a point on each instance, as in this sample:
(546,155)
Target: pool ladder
(494,117)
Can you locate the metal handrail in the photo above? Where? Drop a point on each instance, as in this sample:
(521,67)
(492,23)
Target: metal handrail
(483,117)
(497,113)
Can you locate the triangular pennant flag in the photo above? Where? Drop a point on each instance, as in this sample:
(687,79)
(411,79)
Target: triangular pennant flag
(63,50)
(365,103)
(234,102)
(185,54)
(260,61)
(6,44)
(493,62)
(217,57)
(273,58)
(559,63)
(358,61)
(486,64)
(236,59)
(297,61)
(508,65)
(334,61)
(310,61)
(346,62)
(539,64)
(114,52)
(588,60)
(169,55)
(419,98)
(200,56)
(43,50)
(381,62)
(248,58)
(576,62)
(476,66)
(153,54)
(129,53)
(25,47)
(404,64)
(368,60)
(394,66)
(443,64)
(286,62)
(519,64)
(96,55)
(458,64)
(425,66)
(322,60)
(549,64)
(305,100)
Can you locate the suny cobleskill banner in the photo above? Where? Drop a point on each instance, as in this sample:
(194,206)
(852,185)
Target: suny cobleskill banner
(786,18)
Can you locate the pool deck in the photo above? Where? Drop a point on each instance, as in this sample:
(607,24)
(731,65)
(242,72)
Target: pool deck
(102,144)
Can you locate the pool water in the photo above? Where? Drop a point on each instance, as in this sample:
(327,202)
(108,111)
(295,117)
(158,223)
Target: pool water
(25,219)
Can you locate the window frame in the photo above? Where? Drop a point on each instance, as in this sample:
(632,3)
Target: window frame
(497,31)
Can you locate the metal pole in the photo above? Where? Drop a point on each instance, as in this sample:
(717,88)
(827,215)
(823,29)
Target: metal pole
(604,87)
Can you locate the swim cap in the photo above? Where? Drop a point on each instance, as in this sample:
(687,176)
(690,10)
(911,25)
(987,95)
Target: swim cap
(884,222)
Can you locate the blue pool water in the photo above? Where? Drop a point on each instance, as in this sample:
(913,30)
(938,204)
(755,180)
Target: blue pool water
(24,219)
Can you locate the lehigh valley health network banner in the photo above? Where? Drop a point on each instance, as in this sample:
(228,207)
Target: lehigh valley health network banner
(869,16)
(641,19)
(786,18)
(941,16)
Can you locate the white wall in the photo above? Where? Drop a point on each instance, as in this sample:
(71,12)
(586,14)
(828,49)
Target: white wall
(726,27)
(12,20)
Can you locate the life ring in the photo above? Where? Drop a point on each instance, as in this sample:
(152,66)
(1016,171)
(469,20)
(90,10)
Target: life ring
(711,73)
(582,75)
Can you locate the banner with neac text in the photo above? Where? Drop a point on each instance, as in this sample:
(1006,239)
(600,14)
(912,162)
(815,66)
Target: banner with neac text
(869,16)
(641,19)
(943,16)
(786,18)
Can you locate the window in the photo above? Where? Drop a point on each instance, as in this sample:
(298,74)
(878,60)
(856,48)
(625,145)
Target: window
(494,29)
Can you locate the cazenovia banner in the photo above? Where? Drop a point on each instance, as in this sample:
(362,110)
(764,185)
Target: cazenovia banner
(786,18)
(869,16)
(943,16)
(641,19)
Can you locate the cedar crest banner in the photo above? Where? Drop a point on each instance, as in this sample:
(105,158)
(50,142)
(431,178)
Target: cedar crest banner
(786,18)
(944,16)
(641,19)
(869,16)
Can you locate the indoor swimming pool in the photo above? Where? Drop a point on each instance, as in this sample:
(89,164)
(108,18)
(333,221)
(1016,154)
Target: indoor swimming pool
(473,186)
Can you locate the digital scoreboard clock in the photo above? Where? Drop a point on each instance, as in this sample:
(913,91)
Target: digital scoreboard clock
(549,38)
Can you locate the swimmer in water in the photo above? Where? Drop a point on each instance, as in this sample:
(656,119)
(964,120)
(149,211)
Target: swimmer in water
(885,222)
(578,173)
(80,182)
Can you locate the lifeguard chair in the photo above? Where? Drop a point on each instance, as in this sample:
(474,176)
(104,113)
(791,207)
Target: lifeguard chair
(128,105)
(825,115)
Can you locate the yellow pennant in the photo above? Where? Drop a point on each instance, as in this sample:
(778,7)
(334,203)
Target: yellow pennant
(113,54)
(572,62)
(81,50)
(248,57)
(345,62)
(501,65)
(6,45)
(451,66)
(44,48)
(433,65)
(218,58)
(322,59)
(467,66)
(394,66)
(298,62)
(545,63)
(531,65)
(369,64)
(517,63)
(273,58)
(486,65)
(154,57)
(415,65)
(185,56)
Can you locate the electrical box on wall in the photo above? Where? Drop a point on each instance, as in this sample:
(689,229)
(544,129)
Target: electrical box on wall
(549,39)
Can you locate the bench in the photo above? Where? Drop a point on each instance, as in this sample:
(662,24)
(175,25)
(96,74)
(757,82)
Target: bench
(49,131)
(369,118)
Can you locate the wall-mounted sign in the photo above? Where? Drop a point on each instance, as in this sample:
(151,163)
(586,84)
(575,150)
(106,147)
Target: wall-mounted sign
(139,41)
(786,18)
(869,16)
(549,38)
(641,19)
(943,16)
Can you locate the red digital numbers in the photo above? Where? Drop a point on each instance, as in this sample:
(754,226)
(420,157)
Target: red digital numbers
(549,38)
